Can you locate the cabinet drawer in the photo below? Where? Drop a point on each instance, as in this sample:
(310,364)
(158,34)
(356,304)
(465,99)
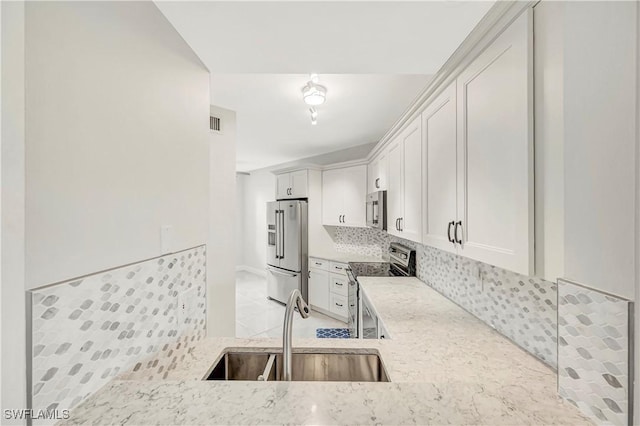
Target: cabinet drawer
(338,268)
(339,284)
(315,263)
(338,305)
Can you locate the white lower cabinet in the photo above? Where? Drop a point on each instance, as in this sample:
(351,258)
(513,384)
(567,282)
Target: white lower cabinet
(319,289)
(328,288)
(338,284)
(339,305)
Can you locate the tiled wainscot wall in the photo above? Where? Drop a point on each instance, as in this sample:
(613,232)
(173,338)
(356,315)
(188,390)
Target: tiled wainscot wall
(594,348)
(520,307)
(142,317)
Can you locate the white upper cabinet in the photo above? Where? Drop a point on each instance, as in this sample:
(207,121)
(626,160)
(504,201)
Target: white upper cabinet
(404,190)
(344,194)
(495,152)
(440,171)
(292,185)
(377,173)
(394,188)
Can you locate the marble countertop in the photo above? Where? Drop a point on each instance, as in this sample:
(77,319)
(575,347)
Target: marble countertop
(445,366)
(346,257)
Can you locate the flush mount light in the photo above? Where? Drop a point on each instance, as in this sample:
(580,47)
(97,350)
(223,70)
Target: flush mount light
(313,93)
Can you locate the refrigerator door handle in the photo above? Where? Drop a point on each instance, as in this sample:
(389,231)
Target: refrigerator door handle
(278,231)
(281,234)
(277,271)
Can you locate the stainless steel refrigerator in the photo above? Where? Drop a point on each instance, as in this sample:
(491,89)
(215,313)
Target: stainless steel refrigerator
(287,249)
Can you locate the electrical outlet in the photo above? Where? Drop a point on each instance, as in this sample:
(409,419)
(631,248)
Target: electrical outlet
(186,303)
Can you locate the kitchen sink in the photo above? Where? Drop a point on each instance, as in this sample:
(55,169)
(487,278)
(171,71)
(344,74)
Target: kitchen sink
(327,366)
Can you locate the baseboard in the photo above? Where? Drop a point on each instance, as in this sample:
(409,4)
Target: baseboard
(251,269)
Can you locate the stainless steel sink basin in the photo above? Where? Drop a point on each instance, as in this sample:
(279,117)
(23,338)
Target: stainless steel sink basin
(333,366)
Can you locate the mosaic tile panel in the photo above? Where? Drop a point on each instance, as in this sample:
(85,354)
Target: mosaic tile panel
(594,352)
(87,331)
(520,307)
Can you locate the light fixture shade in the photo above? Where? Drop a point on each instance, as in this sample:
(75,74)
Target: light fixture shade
(314,94)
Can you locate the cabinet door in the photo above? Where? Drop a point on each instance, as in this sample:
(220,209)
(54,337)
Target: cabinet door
(319,289)
(282,186)
(298,184)
(354,190)
(382,172)
(495,152)
(332,197)
(338,305)
(411,222)
(394,189)
(372,175)
(439,170)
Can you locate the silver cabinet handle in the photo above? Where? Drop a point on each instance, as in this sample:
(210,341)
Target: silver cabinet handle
(277,234)
(377,182)
(337,304)
(281,234)
(337,283)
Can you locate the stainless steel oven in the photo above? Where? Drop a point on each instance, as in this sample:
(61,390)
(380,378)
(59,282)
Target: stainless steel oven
(363,322)
(377,210)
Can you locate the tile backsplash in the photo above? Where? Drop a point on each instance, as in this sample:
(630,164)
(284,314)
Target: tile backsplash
(594,353)
(520,307)
(86,331)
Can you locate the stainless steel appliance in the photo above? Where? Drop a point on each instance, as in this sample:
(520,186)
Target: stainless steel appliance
(363,323)
(287,249)
(377,210)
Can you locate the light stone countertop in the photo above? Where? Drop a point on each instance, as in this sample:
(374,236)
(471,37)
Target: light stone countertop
(346,257)
(445,366)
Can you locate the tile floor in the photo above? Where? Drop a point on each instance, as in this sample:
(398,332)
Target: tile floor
(256,316)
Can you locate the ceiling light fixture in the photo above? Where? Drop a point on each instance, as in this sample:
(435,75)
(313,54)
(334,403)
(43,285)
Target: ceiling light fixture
(314,93)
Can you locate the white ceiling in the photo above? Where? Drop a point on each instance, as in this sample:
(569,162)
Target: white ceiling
(260,54)
(274,124)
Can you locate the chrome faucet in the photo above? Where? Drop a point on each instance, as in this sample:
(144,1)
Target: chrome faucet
(295,300)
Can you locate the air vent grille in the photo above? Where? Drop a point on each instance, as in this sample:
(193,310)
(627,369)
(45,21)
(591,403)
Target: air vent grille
(215,124)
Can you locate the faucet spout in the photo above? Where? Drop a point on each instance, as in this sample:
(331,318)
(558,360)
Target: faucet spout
(295,300)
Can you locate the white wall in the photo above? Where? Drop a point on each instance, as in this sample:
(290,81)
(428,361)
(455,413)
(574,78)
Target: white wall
(600,141)
(549,132)
(117,111)
(259,187)
(221,246)
(239,218)
(636,387)
(12,295)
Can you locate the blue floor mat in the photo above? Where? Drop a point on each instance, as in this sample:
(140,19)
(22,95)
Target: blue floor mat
(332,333)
